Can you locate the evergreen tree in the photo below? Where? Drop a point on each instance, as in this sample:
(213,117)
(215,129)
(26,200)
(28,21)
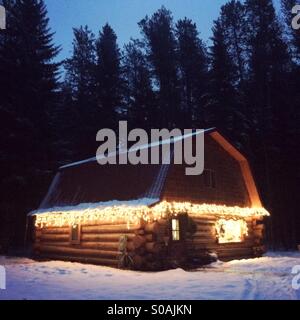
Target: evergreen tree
(160,44)
(109,77)
(28,80)
(80,68)
(233,22)
(193,67)
(222,101)
(230,79)
(82,116)
(269,67)
(140,98)
(268,61)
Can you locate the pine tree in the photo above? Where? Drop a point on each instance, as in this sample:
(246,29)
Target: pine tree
(269,67)
(193,67)
(222,101)
(268,60)
(160,43)
(80,68)
(29,82)
(233,22)
(140,98)
(81,112)
(230,78)
(109,76)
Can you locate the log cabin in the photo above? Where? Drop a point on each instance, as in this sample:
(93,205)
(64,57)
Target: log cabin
(152,217)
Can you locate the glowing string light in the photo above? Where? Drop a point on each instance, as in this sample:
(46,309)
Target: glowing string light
(134,214)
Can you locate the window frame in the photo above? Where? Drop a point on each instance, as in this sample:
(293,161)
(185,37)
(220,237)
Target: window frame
(176,230)
(78,240)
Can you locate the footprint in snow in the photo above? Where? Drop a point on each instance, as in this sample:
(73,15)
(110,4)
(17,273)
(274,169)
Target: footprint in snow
(63,271)
(83,270)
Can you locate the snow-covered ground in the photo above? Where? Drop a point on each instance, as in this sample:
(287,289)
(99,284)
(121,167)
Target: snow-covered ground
(268,277)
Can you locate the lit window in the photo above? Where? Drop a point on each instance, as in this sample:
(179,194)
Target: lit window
(210,179)
(175,230)
(75,234)
(229,231)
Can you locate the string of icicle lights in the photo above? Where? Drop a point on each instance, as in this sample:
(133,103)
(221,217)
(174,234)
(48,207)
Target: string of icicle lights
(133,214)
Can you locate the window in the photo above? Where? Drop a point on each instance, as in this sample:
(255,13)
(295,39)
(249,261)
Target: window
(75,232)
(210,179)
(230,231)
(175,230)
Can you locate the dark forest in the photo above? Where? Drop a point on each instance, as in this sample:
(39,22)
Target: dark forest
(245,82)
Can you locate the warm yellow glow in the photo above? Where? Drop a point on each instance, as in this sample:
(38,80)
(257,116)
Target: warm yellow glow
(134,214)
(231,230)
(175,230)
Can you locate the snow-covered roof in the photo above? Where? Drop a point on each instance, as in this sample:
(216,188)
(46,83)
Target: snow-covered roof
(99,205)
(88,182)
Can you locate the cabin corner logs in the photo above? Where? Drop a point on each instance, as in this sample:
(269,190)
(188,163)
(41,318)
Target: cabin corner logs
(147,246)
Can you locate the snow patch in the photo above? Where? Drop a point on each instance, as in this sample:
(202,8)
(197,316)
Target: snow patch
(99,205)
(263,278)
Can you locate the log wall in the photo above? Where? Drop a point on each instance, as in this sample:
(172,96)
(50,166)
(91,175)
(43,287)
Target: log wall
(204,241)
(148,246)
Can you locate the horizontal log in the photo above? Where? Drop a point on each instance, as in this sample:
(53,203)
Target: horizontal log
(55,237)
(205,228)
(107,229)
(57,243)
(235,252)
(113,223)
(80,252)
(204,219)
(215,246)
(200,234)
(104,237)
(201,241)
(100,245)
(55,230)
(91,260)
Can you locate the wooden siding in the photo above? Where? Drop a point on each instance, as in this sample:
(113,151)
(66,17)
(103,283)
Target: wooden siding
(230,185)
(149,245)
(204,241)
